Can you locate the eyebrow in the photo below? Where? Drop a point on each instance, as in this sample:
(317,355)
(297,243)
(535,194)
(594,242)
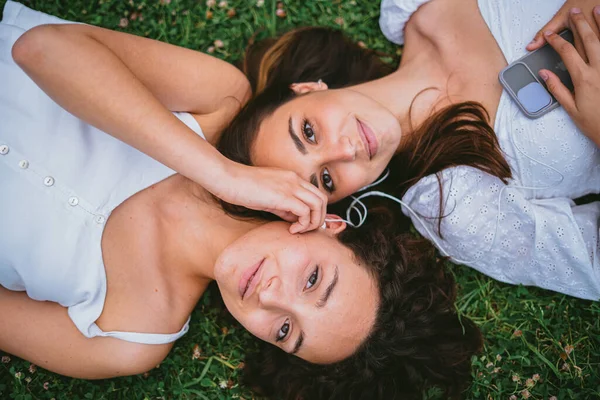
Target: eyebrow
(302,149)
(299,145)
(298,343)
(320,304)
(323,301)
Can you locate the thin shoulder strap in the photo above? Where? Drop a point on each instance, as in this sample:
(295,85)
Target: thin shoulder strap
(143,338)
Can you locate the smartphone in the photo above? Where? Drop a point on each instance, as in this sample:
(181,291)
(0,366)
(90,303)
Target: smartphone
(527,89)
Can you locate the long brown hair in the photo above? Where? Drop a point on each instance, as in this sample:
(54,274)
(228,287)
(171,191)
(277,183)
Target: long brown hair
(459,134)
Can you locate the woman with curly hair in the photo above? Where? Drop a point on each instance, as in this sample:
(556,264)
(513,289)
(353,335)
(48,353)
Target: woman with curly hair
(104,251)
(417,342)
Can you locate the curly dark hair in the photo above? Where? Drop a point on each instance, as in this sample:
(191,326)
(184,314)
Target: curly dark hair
(418,339)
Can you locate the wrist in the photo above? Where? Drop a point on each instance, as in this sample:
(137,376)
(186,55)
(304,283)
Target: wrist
(218,180)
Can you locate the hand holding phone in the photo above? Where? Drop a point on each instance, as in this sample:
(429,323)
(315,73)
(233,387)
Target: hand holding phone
(583,106)
(521,81)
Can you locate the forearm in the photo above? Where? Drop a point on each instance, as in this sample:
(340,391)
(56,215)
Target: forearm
(87,79)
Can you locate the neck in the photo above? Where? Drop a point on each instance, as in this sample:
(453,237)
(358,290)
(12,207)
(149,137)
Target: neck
(198,230)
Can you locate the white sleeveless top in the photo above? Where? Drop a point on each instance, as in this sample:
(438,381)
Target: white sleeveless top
(514,233)
(60,179)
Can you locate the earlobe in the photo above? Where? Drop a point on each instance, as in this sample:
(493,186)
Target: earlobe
(334,224)
(307,87)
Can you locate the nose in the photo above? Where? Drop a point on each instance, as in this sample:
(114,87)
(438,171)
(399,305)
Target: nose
(270,295)
(340,150)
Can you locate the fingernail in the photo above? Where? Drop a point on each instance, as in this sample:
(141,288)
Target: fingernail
(597,10)
(533,41)
(575,10)
(548,33)
(544,75)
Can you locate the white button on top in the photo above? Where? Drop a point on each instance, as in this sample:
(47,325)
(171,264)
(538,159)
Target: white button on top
(73,201)
(4,149)
(48,181)
(99,219)
(24,164)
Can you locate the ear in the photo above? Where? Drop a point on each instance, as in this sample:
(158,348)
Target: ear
(307,87)
(334,224)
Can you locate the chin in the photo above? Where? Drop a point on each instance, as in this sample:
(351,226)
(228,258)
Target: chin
(221,272)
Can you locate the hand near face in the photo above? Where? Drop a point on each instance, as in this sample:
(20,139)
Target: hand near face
(582,105)
(277,191)
(561,21)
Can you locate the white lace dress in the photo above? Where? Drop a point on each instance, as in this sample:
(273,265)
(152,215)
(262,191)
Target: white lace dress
(530,231)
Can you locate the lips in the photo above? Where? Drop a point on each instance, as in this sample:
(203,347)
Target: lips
(368,138)
(247,282)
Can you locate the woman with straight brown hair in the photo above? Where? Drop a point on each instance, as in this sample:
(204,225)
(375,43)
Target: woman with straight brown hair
(491,188)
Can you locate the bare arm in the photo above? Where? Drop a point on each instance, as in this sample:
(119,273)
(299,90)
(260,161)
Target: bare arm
(43,333)
(181,79)
(124,85)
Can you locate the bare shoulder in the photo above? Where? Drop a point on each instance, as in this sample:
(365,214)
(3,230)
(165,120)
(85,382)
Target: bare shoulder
(149,289)
(445,20)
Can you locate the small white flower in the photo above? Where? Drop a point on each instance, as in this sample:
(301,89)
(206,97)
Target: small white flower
(260,3)
(223,384)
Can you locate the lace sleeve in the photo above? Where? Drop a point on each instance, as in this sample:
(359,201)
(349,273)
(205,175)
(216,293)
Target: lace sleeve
(549,243)
(394,16)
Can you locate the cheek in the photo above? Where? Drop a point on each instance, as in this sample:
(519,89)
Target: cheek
(355,176)
(257,323)
(293,257)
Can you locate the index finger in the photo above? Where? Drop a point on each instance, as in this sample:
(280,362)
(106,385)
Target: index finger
(589,39)
(567,52)
(556,24)
(323,198)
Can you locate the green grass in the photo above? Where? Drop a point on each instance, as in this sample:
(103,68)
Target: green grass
(544,343)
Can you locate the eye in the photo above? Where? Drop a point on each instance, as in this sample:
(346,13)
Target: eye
(312,279)
(308,131)
(327,181)
(283,331)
